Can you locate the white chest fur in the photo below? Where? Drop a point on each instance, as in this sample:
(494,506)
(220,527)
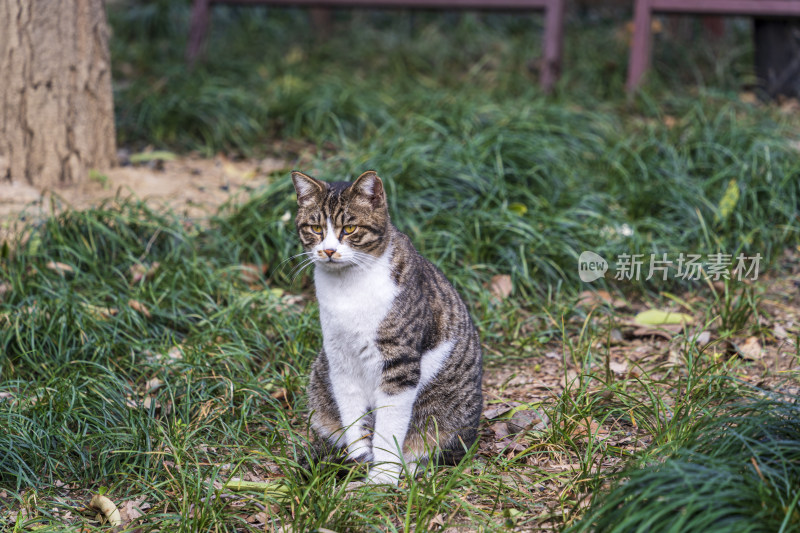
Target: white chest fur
(352,303)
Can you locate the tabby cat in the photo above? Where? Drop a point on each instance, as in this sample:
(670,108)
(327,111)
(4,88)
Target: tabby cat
(400,366)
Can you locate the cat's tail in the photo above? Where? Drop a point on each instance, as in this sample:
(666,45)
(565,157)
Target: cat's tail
(457,447)
(320,454)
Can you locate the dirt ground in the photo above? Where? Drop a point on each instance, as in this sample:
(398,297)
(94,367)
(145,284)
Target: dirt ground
(192,186)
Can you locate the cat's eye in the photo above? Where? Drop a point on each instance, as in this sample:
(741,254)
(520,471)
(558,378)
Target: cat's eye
(316,229)
(348,229)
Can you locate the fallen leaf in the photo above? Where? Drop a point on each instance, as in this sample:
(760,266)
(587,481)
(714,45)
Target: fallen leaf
(155,155)
(507,445)
(790,105)
(251,273)
(621,369)
(498,410)
(100,312)
(728,201)
(131,510)
(667,331)
(500,430)
(258,518)
(139,307)
(656,317)
(750,349)
(141,272)
(780,333)
(518,208)
(61,268)
(703,338)
(748,97)
(280,394)
(500,286)
(153,385)
(527,419)
(436,521)
(675,358)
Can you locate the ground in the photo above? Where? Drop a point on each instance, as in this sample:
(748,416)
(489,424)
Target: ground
(521,381)
(191,186)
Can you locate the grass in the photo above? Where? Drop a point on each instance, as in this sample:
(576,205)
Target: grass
(737,471)
(141,354)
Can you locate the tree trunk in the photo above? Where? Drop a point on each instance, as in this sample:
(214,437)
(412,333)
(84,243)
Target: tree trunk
(56,107)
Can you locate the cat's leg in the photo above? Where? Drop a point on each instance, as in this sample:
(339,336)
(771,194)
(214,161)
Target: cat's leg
(392,419)
(339,410)
(324,416)
(352,404)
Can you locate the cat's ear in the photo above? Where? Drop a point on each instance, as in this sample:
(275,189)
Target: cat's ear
(370,186)
(307,188)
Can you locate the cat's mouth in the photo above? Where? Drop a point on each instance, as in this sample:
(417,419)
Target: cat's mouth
(333,263)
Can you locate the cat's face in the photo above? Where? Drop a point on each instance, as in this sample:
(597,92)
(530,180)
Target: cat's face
(341,224)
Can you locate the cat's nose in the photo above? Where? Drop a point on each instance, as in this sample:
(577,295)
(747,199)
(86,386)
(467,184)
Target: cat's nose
(329,252)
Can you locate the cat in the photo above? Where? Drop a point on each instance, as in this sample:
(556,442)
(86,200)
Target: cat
(399,373)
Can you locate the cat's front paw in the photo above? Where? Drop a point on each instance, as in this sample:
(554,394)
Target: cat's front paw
(384,475)
(359,454)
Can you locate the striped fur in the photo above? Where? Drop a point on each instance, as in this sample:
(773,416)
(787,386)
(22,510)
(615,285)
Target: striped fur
(399,373)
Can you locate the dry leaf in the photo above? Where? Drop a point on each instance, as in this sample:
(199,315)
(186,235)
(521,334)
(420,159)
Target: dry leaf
(139,307)
(570,377)
(131,510)
(790,105)
(500,430)
(703,338)
(251,273)
(748,97)
(142,271)
(675,358)
(528,419)
(500,286)
(436,521)
(751,349)
(666,331)
(621,369)
(280,394)
(498,410)
(61,268)
(153,385)
(656,317)
(781,334)
(101,312)
(508,445)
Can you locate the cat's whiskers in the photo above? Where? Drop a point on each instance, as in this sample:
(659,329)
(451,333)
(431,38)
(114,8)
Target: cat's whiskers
(282,264)
(302,266)
(359,262)
(363,259)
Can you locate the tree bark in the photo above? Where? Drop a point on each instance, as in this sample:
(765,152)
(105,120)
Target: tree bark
(56,106)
